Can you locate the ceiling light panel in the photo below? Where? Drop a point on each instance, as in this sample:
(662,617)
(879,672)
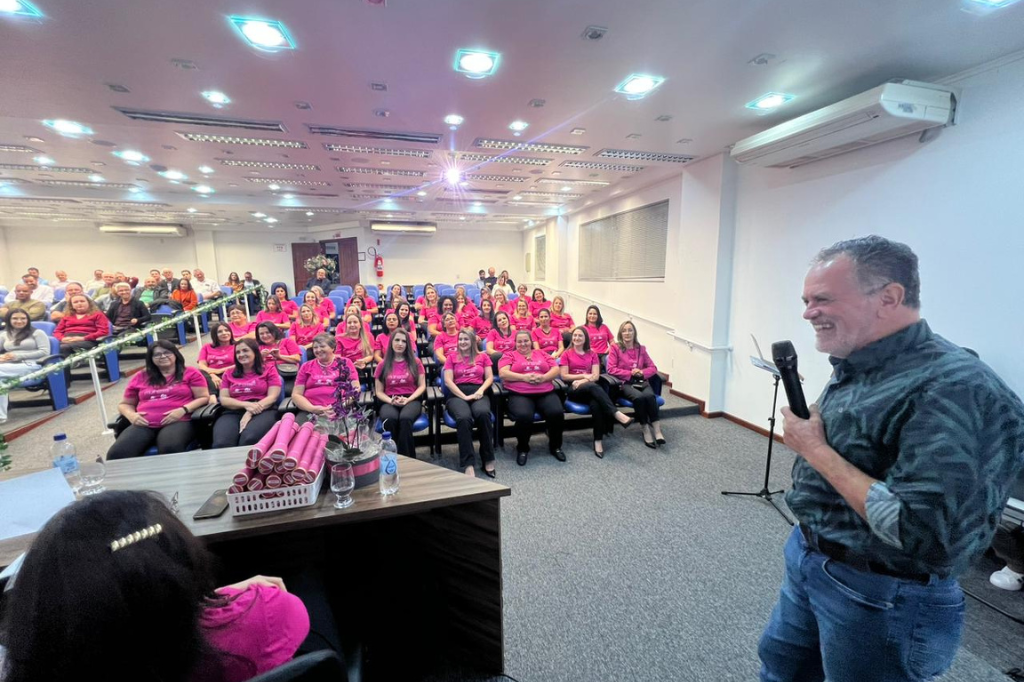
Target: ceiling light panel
(386,188)
(180,118)
(453,200)
(558,181)
(473,157)
(331,211)
(363,197)
(44,168)
(596,165)
(18,149)
(285,181)
(368,134)
(551,195)
(382,151)
(496,178)
(542,147)
(263,34)
(381,171)
(482,192)
(14,181)
(247,141)
(90,185)
(35,201)
(276,165)
(642,156)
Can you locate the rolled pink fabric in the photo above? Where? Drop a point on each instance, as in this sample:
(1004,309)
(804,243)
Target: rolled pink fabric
(288,479)
(284,436)
(301,472)
(318,460)
(298,446)
(257,482)
(274,481)
(243,476)
(265,466)
(257,451)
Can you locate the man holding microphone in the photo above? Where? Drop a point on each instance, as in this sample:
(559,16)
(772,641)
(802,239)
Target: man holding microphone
(903,470)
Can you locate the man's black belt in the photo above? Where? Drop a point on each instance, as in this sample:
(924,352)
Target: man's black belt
(844,555)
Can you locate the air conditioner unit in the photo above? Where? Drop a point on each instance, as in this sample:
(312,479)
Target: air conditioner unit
(145,230)
(407,228)
(889,111)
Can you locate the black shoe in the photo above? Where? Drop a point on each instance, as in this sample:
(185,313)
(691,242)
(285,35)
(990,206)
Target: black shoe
(521,459)
(660,441)
(559,455)
(651,445)
(600,455)
(493,473)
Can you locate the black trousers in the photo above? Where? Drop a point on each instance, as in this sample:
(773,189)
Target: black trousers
(602,409)
(392,416)
(466,414)
(645,403)
(521,407)
(225,429)
(135,440)
(67,349)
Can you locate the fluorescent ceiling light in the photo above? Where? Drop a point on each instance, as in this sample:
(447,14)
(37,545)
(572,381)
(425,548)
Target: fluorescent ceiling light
(518,126)
(20,8)
(515,145)
(381,171)
(216,98)
(454,120)
(65,127)
(250,141)
(43,160)
(206,170)
(203,189)
(504,158)
(476,63)
(638,85)
(421,193)
(769,101)
(142,229)
(310,213)
(274,188)
(131,156)
(270,220)
(173,175)
(95,178)
(403,227)
(269,164)
(257,214)
(263,34)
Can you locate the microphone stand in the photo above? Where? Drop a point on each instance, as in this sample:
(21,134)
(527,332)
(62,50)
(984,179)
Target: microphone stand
(764,493)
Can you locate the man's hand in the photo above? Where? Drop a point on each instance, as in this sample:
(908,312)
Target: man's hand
(805,436)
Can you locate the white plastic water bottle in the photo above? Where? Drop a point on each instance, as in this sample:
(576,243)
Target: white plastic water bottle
(64,458)
(388,465)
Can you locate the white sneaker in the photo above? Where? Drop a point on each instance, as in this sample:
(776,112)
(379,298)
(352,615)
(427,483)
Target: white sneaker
(1007,579)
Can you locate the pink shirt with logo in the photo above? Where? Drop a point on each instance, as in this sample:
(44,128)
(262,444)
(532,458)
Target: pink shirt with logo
(326,308)
(350,348)
(241,330)
(621,363)
(520,323)
(496,343)
(303,335)
(155,402)
(284,347)
(273,318)
(579,363)
(448,342)
(599,338)
(289,307)
(548,341)
(482,326)
(562,321)
(536,363)
(250,387)
(217,357)
(466,372)
(400,381)
(537,306)
(318,381)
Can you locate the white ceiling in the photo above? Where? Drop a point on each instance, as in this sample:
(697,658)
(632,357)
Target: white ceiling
(60,67)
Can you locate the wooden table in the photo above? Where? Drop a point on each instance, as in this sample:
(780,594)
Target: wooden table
(449,525)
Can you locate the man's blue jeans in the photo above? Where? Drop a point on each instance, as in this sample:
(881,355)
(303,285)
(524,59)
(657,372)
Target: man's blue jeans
(836,622)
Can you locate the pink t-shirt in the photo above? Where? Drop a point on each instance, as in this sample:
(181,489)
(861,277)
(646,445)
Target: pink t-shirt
(273,318)
(549,341)
(289,307)
(303,336)
(154,402)
(599,338)
(537,362)
(579,363)
(537,306)
(240,331)
(250,386)
(466,372)
(350,348)
(400,381)
(520,323)
(496,343)
(217,357)
(381,343)
(447,342)
(326,308)
(284,347)
(467,317)
(370,304)
(258,629)
(563,321)
(318,381)
(482,326)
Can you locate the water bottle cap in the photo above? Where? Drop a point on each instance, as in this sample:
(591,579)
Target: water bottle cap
(387,435)
(60,436)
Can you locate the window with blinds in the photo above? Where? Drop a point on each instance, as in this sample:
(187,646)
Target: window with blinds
(625,246)
(540,257)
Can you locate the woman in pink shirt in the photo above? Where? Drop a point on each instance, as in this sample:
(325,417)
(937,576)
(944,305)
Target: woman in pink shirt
(427,302)
(158,403)
(141,575)
(369,303)
(522,320)
(358,307)
(484,322)
(599,333)
(445,305)
(546,338)
(82,328)
(527,374)
(630,363)
(314,391)
(465,311)
(581,370)
(447,339)
(538,302)
(561,320)
(218,356)
(383,340)
(241,327)
(501,304)
(501,339)
(275,348)
(467,377)
(354,343)
(304,329)
(406,320)
(274,314)
(287,305)
(396,295)
(400,381)
(249,395)
(324,306)
(323,317)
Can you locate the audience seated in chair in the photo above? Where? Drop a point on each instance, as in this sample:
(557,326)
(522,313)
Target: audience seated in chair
(314,391)
(60,308)
(629,362)
(527,375)
(400,381)
(82,328)
(126,313)
(21,346)
(22,300)
(249,394)
(218,356)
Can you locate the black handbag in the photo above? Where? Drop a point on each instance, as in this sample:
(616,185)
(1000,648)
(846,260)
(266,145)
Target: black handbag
(639,384)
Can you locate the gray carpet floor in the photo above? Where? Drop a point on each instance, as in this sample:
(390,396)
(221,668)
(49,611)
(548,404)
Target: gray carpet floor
(635,567)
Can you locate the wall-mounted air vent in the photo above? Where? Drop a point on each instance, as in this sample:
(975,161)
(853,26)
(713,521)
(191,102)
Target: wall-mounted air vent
(367,134)
(180,118)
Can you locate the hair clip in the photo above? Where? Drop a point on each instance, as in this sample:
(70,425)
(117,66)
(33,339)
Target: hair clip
(132,538)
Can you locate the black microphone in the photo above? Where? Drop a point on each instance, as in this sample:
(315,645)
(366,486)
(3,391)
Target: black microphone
(784,356)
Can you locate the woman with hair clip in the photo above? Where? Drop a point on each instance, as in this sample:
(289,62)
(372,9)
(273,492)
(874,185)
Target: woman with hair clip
(241,326)
(467,376)
(501,339)
(116,588)
(426,302)
(287,305)
(354,343)
(316,381)
(599,333)
(369,303)
(158,404)
(21,345)
(538,302)
(527,375)
(447,339)
(561,320)
(218,356)
(581,370)
(274,314)
(400,381)
(380,344)
(275,348)
(484,322)
(546,338)
(325,307)
(630,363)
(249,395)
(521,319)
(82,328)
(306,327)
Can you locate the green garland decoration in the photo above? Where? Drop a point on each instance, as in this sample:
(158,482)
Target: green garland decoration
(5,459)
(128,339)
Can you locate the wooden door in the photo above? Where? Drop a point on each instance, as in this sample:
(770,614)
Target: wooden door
(300,252)
(347,258)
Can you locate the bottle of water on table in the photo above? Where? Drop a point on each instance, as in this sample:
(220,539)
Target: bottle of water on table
(65,458)
(388,465)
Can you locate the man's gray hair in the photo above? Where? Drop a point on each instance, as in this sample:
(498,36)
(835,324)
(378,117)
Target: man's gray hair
(878,262)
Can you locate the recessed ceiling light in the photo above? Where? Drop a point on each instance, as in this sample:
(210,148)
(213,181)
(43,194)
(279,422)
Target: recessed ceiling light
(21,8)
(421,193)
(203,189)
(452,176)
(310,213)
(263,34)
(287,196)
(131,156)
(769,101)
(205,170)
(379,86)
(257,214)
(487,143)
(43,160)
(453,120)
(462,217)
(517,127)
(270,220)
(273,188)
(638,85)
(65,127)
(174,175)
(577,131)
(191,210)
(95,178)
(250,141)
(567,189)
(594,32)
(215,97)
(476,63)
(517,197)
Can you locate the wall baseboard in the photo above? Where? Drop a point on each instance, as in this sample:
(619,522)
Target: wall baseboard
(718,415)
(753,427)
